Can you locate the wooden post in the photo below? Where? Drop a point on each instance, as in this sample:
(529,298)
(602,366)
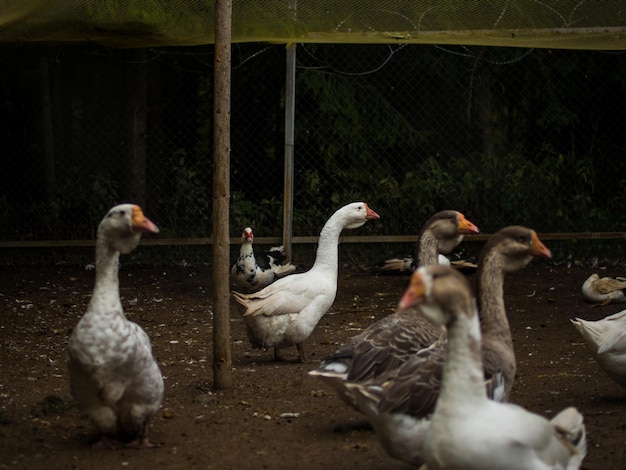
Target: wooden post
(222,360)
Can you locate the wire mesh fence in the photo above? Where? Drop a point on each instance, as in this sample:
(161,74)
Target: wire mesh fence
(508,136)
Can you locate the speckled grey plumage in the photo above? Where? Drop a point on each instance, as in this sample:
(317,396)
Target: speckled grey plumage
(114,376)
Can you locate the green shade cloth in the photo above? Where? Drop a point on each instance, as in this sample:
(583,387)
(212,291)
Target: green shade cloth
(569,24)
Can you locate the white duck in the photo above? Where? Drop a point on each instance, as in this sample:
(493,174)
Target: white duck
(285,313)
(114,377)
(399,402)
(388,343)
(468,430)
(253,271)
(607,340)
(604,290)
(438,237)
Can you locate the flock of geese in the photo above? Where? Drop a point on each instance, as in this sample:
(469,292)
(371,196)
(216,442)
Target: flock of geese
(433,378)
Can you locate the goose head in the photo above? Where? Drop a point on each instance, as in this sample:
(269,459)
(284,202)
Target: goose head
(515,246)
(122,227)
(439,291)
(448,227)
(356,214)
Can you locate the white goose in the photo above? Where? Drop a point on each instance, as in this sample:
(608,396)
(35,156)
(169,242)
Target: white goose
(469,431)
(285,313)
(604,290)
(399,402)
(114,377)
(388,343)
(607,340)
(253,271)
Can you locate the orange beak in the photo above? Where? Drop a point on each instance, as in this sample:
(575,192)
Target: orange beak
(141,223)
(466,226)
(370,214)
(415,294)
(537,247)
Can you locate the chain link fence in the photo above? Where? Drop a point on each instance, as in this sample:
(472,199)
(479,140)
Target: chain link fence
(507,136)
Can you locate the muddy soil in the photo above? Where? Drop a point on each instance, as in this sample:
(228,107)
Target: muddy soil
(275,416)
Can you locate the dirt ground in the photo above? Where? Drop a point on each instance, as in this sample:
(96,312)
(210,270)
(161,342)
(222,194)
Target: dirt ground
(275,416)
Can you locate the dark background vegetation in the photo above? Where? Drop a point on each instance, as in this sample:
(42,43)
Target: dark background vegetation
(530,136)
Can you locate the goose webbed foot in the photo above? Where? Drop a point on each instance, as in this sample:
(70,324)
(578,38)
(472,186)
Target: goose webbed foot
(143,443)
(300,359)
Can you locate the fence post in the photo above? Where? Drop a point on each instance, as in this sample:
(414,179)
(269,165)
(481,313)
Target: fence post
(222,360)
(290,110)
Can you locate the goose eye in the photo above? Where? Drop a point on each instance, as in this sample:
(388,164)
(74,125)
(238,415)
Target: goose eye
(122,213)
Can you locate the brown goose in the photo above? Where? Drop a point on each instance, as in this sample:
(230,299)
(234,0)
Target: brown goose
(439,236)
(398,402)
(391,341)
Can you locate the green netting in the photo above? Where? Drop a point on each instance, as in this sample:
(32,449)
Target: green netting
(584,24)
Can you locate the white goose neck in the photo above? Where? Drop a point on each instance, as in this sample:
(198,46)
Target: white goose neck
(106,288)
(326,257)
(463,378)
